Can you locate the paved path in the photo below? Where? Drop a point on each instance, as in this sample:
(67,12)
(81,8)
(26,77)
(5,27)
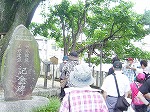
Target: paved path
(40,83)
(49,91)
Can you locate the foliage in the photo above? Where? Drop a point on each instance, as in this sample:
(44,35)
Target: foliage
(53,106)
(116,27)
(113,27)
(146,17)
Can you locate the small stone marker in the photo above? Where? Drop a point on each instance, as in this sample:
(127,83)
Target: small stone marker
(20,65)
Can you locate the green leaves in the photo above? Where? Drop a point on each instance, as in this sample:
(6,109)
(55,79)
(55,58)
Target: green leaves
(114,25)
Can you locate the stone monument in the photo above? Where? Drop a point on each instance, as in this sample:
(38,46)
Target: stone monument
(20,68)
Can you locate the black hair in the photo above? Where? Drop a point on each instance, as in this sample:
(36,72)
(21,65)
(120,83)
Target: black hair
(115,59)
(140,81)
(143,62)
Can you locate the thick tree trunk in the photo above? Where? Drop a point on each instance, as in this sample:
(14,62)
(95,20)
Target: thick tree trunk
(12,14)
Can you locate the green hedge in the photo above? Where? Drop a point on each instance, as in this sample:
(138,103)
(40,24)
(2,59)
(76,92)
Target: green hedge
(53,106)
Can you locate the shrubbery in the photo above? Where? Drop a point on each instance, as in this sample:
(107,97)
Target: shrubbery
(53,106)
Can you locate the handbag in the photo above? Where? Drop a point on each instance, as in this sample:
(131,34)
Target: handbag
(122,103)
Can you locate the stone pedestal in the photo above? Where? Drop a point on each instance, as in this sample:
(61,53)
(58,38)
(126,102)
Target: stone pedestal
(23,105)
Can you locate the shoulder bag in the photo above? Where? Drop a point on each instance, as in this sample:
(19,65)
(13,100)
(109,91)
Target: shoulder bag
(122,103)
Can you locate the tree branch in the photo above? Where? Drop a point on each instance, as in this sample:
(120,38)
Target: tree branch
(98,44)
(112,36)
(80,26)
(112,27)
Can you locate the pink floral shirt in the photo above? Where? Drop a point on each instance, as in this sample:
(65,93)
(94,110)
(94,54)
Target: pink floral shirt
(83,100)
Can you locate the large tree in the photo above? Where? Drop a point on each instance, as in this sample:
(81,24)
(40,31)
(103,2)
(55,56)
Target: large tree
(12,14)
(113,28)
(65,22)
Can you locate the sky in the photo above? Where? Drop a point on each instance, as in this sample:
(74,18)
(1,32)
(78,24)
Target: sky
(139,7)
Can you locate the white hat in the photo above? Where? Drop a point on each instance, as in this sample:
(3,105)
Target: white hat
(81,76)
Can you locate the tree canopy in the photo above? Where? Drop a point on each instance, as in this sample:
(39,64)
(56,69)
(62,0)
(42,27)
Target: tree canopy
(112,27)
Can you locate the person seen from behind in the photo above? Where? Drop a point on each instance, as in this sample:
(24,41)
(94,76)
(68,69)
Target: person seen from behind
(109,86)
(138,105)
(111,70)
(144,93)
(146,70)
(68,67)
(129,69)
(65,59)
(80,97)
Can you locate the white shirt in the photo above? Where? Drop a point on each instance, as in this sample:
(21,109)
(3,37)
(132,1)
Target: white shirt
(109,85)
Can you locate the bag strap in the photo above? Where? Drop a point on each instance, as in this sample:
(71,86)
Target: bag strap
(69,101)
(116,84)
(136,85)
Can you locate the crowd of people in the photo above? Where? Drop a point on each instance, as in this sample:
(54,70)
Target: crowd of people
(77,95)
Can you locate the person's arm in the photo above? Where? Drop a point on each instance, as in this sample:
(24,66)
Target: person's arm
(142,98)
(104,94)
(143,90)
(128,94)
(104,88)
(147,96)
(132,68)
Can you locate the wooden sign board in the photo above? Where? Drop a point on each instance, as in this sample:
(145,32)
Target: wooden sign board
(54,60)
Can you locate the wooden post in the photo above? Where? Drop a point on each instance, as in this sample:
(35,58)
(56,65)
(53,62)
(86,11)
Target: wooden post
(97,78)
(45,80)
(100,73)
(53,76)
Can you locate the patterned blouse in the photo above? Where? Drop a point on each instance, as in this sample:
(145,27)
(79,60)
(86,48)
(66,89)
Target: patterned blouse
(67,69)
(83,101)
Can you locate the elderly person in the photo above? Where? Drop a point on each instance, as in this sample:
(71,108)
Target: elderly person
(81,97)
(138,105)
(111,70)
(65,59)
(109,86)
(73,60)
(144,91)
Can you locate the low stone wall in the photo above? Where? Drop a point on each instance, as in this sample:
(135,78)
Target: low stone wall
(46,92)
(23,105)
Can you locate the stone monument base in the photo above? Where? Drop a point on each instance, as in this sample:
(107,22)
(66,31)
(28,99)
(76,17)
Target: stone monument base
(23,105)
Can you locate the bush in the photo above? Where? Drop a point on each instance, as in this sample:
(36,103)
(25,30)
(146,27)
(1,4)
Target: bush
(53,106)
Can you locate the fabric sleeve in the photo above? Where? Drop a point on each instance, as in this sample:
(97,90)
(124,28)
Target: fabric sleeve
(104,85)
(64,105)
(145,88)
(64,71)
(127,88)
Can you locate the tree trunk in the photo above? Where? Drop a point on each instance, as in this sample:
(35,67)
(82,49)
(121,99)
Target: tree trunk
(14,13)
